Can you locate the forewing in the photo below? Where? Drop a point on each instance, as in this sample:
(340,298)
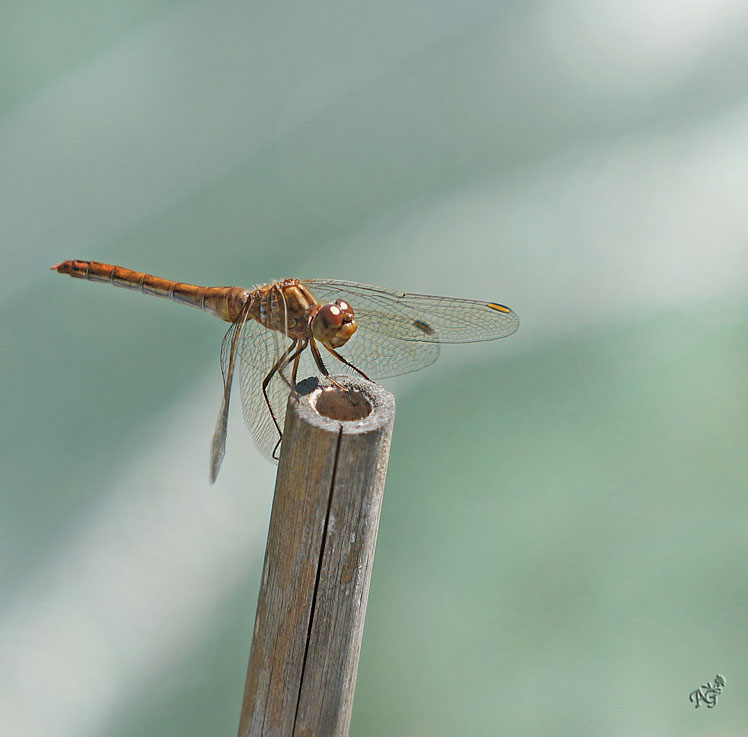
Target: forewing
(377,351)
(399,332)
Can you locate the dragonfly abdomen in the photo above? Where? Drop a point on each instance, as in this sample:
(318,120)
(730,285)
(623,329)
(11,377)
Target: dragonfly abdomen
(224,302)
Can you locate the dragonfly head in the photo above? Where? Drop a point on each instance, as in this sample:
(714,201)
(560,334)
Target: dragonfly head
(334,324)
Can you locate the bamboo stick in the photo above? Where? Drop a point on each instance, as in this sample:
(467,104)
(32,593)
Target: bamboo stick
(315,583)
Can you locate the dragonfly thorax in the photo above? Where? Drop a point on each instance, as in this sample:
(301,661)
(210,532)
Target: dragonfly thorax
(333,324)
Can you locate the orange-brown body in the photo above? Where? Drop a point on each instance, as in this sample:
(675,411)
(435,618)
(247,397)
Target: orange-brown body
(224,302)
(399,332)
(286,306)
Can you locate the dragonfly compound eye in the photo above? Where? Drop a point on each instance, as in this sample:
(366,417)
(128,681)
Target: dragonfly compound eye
(335,324)
(331,316)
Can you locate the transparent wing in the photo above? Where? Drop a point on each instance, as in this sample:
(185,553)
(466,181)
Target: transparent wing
(229,354)
(399,332)
(376,354)
(259,350)
(381,354)
(253,351)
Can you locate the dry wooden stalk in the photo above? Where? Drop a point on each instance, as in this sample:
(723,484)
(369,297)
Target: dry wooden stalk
(318,560)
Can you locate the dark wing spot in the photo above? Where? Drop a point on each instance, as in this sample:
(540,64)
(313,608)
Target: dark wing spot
(498,308)
(424,326)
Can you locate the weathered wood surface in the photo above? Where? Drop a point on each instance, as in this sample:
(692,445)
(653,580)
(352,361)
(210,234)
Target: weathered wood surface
(318,561)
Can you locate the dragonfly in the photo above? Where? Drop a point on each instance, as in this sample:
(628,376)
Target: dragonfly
(300,327)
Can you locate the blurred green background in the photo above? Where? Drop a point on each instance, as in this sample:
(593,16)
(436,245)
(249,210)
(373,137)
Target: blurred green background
(565,529)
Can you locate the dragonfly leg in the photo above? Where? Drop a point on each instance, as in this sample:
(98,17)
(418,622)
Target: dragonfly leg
(351,396)
(321,365)
(275,455)
(276,366)
(295,358)
(347,363)
(289,356)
